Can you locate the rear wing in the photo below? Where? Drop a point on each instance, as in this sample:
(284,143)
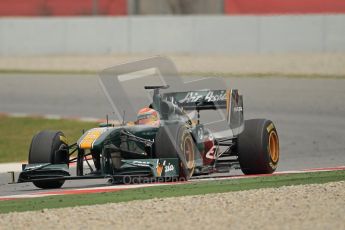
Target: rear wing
(228,100)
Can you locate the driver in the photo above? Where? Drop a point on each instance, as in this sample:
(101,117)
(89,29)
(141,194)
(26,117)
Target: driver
(148,116)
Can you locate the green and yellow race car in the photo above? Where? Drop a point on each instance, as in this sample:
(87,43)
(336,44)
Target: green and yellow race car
(166,142)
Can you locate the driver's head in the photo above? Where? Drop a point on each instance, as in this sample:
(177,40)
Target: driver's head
(147,116)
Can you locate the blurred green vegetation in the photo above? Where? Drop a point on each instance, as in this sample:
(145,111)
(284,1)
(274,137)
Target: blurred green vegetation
(16,134)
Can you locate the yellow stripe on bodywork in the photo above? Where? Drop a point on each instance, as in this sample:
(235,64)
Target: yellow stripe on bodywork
(90,137)
(64,139)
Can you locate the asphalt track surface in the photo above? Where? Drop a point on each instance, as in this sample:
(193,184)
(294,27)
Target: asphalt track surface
(309,113)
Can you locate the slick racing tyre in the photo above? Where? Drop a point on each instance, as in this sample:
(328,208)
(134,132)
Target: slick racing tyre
(44,149)
(175,141)
(258,147)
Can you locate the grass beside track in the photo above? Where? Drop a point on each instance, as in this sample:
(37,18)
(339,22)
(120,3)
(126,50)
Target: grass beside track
(16,134)
(196,188)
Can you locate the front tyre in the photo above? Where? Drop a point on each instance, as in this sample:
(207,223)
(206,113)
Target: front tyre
(49,147)
(258,147)
(175,141)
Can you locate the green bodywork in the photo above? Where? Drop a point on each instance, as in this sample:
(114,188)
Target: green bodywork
(127,150)
(134,160)
(157,168)
(112,135)
(163,167)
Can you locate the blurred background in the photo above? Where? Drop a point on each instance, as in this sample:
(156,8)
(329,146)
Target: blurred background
(225,27)
(144,7)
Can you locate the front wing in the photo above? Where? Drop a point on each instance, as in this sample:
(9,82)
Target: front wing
(154,168)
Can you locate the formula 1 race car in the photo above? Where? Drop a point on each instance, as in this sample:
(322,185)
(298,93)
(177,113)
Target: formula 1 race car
(163,143)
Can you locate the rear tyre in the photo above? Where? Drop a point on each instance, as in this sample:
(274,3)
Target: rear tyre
(175,141)
(258,147)
(44,149)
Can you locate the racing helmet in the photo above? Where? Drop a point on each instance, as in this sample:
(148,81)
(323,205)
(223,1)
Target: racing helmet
(148,116)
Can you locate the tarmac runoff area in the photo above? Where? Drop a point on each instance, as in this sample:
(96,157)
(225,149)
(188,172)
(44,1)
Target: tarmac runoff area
(308,113)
